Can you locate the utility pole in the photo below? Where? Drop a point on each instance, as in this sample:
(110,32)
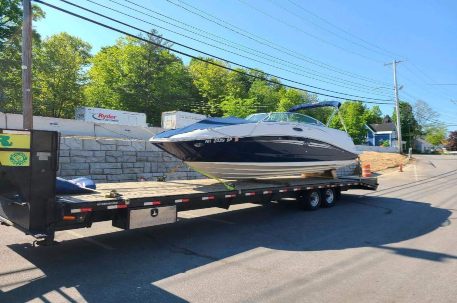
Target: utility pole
(397,105)
(27,108)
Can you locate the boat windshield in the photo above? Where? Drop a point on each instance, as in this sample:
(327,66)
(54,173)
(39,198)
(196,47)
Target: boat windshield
(284,117)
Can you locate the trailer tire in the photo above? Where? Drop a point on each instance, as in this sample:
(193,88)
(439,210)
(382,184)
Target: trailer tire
(312,200)
(328,197)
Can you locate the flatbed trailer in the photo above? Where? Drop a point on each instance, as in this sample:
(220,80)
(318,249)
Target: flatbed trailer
(29,202)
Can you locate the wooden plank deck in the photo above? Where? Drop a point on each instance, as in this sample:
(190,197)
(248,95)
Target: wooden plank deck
(132,190)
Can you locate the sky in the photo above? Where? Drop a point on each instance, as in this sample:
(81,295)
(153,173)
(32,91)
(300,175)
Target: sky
(325,46)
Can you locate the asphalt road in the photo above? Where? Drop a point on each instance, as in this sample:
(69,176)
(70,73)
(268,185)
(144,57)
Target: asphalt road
(398,244)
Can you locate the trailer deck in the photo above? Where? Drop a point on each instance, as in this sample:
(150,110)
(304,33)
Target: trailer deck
(137,194)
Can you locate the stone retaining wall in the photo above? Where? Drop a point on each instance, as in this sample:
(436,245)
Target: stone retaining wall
(113,160)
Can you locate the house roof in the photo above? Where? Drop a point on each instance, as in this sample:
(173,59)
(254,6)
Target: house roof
(382,127)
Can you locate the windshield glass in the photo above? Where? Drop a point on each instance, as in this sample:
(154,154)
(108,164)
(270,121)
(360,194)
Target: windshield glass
(284,117)
(256,117)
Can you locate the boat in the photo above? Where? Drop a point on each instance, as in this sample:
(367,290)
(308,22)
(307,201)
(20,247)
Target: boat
(261,145)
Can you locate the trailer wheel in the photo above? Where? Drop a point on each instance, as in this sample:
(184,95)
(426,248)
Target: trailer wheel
(312,200)
(328,197)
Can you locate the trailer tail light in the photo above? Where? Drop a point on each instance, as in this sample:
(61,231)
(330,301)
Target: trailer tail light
(182,200)
(283,190)
(267,192)
(297,188)
(81,210)
(208,198)
(69,218)
(116,206)
(153,203)
(250,194)
(230,196)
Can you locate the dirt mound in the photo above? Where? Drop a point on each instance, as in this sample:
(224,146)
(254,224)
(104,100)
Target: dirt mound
(381,161)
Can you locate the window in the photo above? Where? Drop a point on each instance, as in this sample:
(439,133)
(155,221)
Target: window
(283,117)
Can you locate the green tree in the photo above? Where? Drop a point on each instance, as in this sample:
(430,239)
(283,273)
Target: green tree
(138,76)
(373,115)
(267,95)
(10,18)
(10,53)
(435,134)
(353,114)
(60,68)
(239,107)
(212,82)
(238,84)
(410,129)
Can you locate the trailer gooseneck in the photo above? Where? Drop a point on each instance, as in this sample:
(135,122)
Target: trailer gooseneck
(28,200)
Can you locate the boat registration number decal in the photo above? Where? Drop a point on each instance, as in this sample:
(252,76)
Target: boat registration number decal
(221,140)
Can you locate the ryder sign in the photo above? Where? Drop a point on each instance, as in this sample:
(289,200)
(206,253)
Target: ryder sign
(110,116)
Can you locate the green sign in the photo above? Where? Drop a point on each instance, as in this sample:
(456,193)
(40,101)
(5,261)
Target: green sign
(5,141)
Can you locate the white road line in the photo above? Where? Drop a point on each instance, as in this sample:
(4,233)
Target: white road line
(90,240)
(415,173)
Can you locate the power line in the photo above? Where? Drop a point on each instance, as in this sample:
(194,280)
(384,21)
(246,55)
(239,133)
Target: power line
(343,30)
(207,54)
(265,42)
(307,33)
(234,45)
(363,89)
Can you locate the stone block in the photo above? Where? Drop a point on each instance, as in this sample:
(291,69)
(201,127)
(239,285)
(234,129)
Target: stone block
(104,165)
(95,159)
(82,172)
(90,144)
(81,153)
(64,160)
(98,177)
(139,145)
(67,172)
(153,166)
(99,153)
(73,143)
(110,159)
(125,148)
(138,165)
(151,147)
(125,177)
(127,165)
(144,154)
(128,153)
(108,147)
(133,170)
(123,143)
(112,171)
(125,159)
(78,159)
(96,171)
(114,153)
(74,166)
(64,153)
(106,141)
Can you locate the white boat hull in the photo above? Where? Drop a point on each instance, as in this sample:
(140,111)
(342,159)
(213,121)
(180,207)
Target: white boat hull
(252,170)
